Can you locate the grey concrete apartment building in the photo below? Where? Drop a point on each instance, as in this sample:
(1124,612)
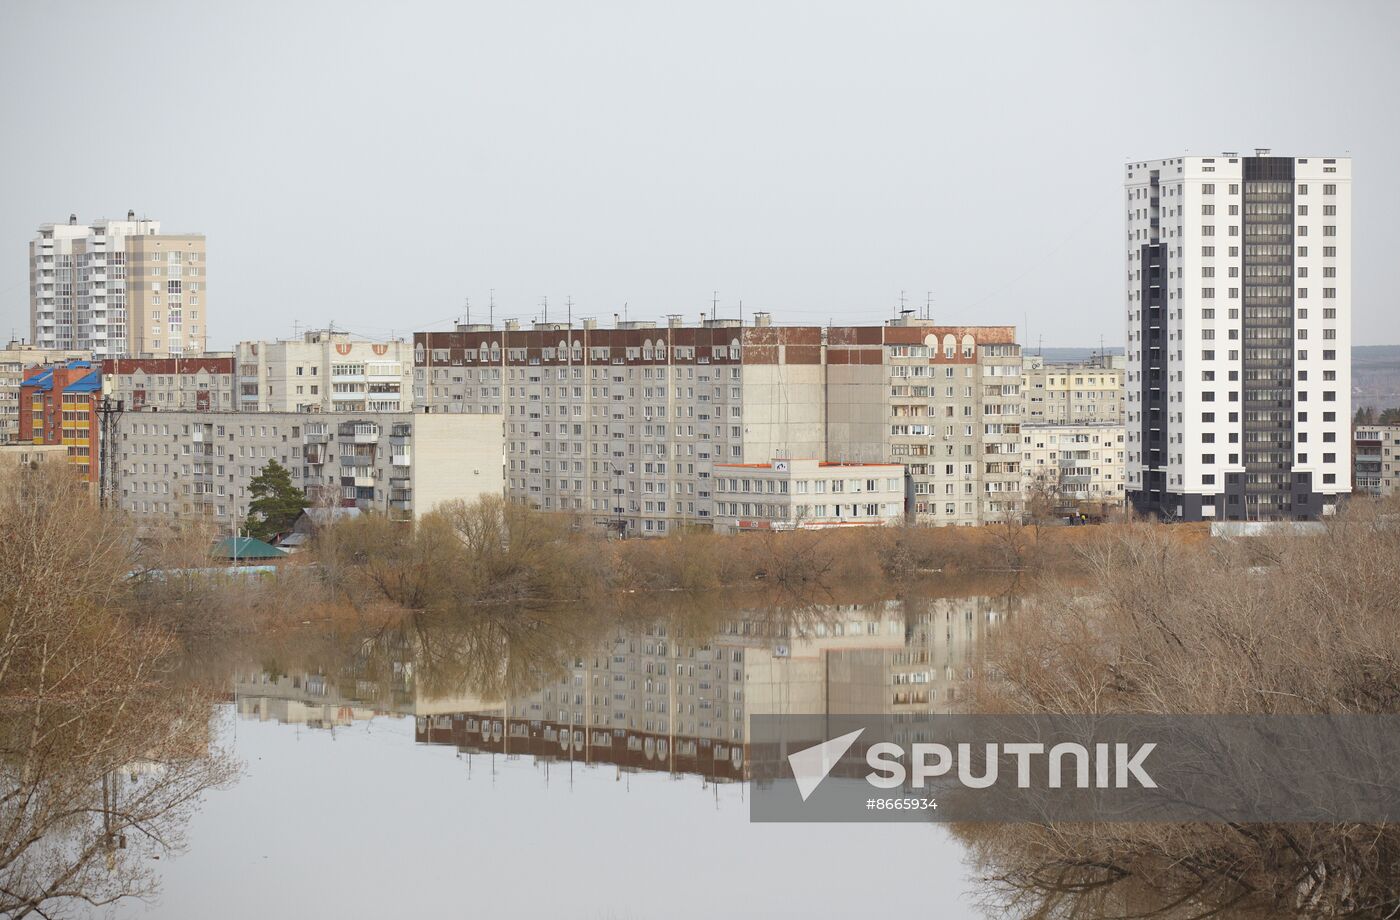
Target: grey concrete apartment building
(625,426)
(200,464)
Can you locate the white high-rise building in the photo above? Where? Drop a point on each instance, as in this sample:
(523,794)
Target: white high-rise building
(1238,336)
(118,288)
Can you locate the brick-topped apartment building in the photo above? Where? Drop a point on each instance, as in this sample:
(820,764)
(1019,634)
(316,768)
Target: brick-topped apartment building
(638,416)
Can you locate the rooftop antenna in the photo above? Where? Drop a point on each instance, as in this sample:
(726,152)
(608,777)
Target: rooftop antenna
(714,304)
(491,314)
(928,305)
(467,311)
(569,307)
(741,313)
(544,301)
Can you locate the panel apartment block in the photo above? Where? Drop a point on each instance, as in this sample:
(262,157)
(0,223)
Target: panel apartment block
(324,371)
(944,401)
(1238,284)
(1074,393)
(636,417)
(200,464)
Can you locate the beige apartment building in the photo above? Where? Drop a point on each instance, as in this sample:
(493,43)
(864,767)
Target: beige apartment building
(1074,393)
(1071,465)
(324,371)
(803,494)
(200,464)
(118,288)
(637,417)
(14,359)
(1376,452)
(29,454)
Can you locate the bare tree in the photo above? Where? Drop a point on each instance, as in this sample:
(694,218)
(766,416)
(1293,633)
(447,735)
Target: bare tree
(101,758)
(1287,624)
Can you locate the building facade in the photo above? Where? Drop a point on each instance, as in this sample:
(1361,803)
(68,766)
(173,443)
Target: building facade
(1069,467)
(1377,459)
(15,359)
(324,371)
(1074,393)
(59,404)
(118,288)
(204,384)
(643,413)
(1238,284)
(943,401)
(807,495)
(638,413)
(201,464)
(24,454)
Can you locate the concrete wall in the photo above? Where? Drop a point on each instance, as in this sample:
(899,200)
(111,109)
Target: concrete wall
(456,457)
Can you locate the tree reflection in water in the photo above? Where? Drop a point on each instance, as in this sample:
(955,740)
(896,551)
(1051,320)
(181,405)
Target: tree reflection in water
(102,756)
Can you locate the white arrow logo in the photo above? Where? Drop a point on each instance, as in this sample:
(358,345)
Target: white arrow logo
(811,765)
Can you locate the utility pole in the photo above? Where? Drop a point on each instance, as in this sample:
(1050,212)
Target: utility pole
(106,467)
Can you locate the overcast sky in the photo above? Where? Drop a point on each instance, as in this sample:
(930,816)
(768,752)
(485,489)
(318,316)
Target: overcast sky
(376,163)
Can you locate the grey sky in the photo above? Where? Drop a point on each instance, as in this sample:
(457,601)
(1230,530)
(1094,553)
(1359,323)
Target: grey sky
(375,163)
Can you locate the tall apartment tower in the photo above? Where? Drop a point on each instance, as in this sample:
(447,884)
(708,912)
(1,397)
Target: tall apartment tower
(1238,336)
(119,288)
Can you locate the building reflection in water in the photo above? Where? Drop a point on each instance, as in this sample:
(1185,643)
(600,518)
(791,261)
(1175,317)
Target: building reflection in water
(671,696)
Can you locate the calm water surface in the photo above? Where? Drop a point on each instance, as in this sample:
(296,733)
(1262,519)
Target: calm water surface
(565,769)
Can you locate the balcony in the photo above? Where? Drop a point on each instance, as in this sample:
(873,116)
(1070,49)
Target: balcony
(364,481)
(359,432)
(400,458)
(356,460)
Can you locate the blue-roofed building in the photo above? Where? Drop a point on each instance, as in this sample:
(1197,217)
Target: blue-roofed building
(58,405)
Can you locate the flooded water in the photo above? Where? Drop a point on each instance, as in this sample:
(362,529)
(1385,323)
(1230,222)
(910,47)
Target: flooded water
(583,764)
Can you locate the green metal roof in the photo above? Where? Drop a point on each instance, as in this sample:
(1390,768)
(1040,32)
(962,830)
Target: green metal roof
(245,548)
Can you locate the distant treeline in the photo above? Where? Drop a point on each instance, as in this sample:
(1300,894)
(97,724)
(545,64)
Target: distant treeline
(1368,416)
